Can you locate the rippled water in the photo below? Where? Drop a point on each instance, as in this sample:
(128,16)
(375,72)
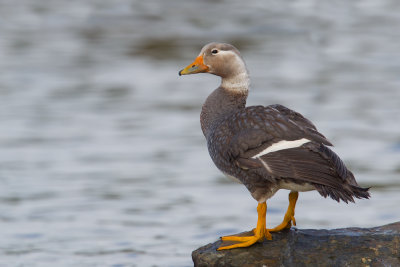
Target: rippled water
(102,160)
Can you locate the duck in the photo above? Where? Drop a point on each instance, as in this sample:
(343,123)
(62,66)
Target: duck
(266,148)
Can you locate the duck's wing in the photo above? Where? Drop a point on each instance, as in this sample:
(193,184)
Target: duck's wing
(297,124)
(281,144)
(258,128)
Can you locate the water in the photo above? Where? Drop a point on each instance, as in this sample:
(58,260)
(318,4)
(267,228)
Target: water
(102,160)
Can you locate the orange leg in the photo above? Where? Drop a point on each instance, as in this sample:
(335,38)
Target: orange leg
(260,232)
(289,215)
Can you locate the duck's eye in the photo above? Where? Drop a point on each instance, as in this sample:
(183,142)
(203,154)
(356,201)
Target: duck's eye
(214,51)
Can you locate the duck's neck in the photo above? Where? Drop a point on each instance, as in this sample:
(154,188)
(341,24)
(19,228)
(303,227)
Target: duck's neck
(229,97)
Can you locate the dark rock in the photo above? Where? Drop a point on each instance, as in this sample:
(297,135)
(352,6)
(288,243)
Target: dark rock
(378,246)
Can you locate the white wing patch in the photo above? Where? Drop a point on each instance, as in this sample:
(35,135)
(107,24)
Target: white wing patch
(281,145)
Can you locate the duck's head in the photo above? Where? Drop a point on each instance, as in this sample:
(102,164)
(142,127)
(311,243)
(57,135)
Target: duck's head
(220,59)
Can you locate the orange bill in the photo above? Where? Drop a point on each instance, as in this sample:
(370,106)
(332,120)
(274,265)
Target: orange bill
(197,66)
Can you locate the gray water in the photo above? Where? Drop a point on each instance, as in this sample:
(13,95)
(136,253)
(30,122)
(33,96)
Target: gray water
(102,160)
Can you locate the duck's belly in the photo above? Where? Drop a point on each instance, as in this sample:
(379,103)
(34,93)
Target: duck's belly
(282,185)
(296,187)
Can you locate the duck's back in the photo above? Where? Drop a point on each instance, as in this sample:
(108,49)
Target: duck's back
(274,147)
(254,129)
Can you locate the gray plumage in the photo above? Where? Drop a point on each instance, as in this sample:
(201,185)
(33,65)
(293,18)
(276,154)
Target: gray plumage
(237,134)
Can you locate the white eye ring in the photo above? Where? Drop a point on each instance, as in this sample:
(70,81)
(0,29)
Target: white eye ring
(214,51)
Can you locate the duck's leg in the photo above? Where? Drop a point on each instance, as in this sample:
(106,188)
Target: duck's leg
(289,215)
(260,232)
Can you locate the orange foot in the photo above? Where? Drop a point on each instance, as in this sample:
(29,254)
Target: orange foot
(289,215)
(260,232)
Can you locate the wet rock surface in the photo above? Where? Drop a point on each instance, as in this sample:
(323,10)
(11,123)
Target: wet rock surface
(378,246)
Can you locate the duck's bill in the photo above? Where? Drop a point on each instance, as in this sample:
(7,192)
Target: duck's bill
(197,66)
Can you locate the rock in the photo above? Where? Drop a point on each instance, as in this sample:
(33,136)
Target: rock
(378,246)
